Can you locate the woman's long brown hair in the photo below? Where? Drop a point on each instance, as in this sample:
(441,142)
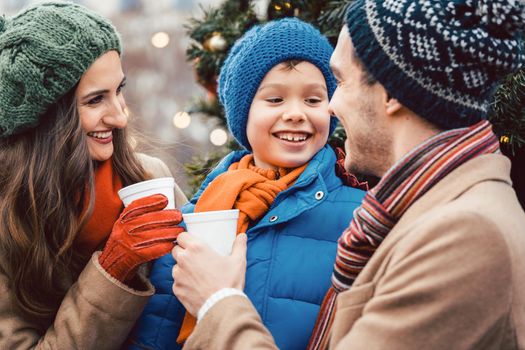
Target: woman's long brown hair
(45,176)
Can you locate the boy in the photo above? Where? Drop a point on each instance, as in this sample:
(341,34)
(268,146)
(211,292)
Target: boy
(275,86)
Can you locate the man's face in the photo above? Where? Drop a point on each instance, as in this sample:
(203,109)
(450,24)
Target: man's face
(361,110)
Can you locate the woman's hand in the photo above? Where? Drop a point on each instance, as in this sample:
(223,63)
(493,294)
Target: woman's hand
(143,232)
(200,271)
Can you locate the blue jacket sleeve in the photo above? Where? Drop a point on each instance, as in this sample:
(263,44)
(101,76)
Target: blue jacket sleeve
(161,320)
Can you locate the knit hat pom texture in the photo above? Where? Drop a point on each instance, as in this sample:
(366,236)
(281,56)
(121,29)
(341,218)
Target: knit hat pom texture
(501,18)
(44,51)
(256,53)
(441,59)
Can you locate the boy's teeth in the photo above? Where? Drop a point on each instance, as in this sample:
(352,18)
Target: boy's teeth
(100,135)
(292,137)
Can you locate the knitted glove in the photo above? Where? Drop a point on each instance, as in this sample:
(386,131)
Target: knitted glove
(143,232)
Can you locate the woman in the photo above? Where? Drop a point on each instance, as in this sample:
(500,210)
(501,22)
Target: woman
(64,155)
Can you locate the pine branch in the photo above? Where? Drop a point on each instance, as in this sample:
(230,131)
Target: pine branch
(508,110)
(332,18)
(230,20)
(200,166)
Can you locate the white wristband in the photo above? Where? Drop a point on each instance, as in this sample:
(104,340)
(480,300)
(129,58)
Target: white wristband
(215,298)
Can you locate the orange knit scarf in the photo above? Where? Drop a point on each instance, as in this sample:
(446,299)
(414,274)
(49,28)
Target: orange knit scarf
(245,187)
(106,210)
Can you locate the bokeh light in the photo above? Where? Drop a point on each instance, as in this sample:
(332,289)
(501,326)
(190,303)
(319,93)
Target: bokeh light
(181,120)
(160,40)
(218,137)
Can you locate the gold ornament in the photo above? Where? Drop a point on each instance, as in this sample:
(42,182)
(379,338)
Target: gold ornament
(504,139)
(216,43)
(278,7)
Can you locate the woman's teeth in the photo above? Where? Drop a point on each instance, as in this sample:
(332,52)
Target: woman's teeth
(292,137)
(100,135)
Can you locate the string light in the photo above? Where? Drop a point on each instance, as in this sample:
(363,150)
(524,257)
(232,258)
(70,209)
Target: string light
(278,7)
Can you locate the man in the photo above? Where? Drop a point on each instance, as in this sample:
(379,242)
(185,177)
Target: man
(433,258)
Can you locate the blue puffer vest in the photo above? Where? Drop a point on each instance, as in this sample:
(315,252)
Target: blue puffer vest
(291,252)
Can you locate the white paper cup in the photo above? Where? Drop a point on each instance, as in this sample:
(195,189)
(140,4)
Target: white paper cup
(217,228)
(163,185)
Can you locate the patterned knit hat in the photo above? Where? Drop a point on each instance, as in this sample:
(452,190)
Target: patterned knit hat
(441,59)
(44,51)
(256,53)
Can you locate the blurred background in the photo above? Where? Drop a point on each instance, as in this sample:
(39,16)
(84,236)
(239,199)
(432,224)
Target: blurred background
(173,51)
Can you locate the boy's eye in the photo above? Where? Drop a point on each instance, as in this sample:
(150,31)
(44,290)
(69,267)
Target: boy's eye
(313,100)
(274,100)
(95,100)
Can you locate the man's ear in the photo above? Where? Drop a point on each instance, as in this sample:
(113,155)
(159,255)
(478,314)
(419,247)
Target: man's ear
(392,105)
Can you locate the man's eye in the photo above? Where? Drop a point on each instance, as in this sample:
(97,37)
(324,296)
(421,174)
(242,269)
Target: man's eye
(120,88)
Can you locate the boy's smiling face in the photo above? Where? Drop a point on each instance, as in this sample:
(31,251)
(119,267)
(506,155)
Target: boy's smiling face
(289,121)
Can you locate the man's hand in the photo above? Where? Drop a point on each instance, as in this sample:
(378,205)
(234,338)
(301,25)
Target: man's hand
(200,271)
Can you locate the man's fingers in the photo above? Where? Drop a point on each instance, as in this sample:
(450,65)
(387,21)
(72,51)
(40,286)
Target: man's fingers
(185,239)
(239,247)
(182,239)
(175,252)
(174,272)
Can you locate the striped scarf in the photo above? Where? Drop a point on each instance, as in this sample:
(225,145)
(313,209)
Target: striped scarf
(382,207)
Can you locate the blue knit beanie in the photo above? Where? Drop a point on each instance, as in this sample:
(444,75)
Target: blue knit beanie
(256,53)
(441,59)
(44,51)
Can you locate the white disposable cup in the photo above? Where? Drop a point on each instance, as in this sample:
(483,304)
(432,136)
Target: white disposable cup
(163,185)
(217,228)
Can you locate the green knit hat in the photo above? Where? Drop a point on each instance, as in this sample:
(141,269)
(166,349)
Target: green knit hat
(44,51)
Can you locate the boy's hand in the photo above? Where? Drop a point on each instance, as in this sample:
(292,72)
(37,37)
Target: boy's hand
(200,271)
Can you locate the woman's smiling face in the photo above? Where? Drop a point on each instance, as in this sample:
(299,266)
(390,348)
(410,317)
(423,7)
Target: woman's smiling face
(101,105)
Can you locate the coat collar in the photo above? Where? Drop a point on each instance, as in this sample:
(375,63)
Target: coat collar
(319,166)
(488,167)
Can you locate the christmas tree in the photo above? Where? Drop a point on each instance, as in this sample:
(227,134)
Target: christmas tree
(220,27)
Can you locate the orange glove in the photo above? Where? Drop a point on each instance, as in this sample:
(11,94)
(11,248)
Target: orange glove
(143,232)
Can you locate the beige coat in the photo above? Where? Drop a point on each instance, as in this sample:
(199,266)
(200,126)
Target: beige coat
(97,312)
(450,275)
